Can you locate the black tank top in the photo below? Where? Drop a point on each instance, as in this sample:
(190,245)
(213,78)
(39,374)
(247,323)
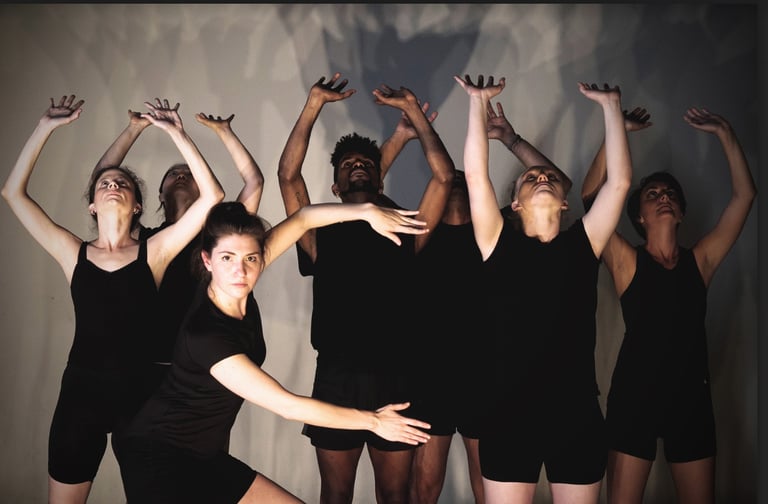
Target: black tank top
(664,315)
(114,316)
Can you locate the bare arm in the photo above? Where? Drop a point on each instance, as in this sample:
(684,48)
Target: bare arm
(501,129)
(165,245)
(253,179)
(601,219)
(618,255)
(115,153)
(292,186)
(486,218)
(56,240)
(404,132)
(713,247)
(243,377)
(385,221)
(440,163)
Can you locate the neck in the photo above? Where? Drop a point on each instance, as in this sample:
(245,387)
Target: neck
(175,208)
(114,231)
(359,197)
(662,244)
(233,307)
(543,225)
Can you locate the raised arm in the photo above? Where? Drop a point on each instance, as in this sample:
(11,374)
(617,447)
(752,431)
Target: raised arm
(601,219)
(486,218)
(253,179)
(499,128)
(712,248)
(115,153)
(618,255)
(292,186)
(440,163)
(385,221)
(636,120)
(243,377)
(56,240)
(404,132)
(165,245)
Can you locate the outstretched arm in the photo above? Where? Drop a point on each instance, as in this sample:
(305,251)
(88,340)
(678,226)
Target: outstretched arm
(116,152)
(486,218)
(57,241)
(253,179)
(712,248)
(601,219)
(440,163)
(385,221)
(404,132)
(243,377)
(165,245)
(292,185)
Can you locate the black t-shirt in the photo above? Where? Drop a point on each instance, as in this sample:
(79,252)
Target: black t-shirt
(191,409)
(362,295)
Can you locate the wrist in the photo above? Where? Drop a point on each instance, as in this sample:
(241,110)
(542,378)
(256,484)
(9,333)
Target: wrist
(515,141)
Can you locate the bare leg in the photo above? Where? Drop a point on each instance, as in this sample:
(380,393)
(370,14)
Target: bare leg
(626,478)
(428,470)
(264,490)
(695,481)
(503,492)
(391,470)
(473,463)
(338,469)
(68,493)
(563,493)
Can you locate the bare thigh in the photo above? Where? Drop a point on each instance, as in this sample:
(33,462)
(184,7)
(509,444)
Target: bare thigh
(504,492)
(695,481)
(68,493)
(626,478)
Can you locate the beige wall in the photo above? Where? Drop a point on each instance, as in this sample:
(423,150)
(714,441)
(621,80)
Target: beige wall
(258,61)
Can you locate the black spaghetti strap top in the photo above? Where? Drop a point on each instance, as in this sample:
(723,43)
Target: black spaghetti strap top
(115,316)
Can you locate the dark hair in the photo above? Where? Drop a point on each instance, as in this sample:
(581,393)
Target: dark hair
(138,187)
(633,202)
(224,219)
(355,143)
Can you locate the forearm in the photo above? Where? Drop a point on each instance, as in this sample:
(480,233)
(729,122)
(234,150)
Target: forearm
(742,183)
(390,149)
(16,184)
(528,154)
(208,185)
(253,179)
(116,152)
(595,177)
(437,156)
(618,164)
(292,157)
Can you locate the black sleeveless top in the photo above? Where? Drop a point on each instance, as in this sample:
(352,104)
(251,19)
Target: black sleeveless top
(665,342)
(114,316)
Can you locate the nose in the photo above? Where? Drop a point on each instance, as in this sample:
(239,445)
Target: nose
(238,269)
(181,175)
(112,184)
(542,178)
(664,196)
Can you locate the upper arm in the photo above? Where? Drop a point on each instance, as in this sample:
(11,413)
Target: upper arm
(620,259)
(243,377)
(59,242)
(431,207)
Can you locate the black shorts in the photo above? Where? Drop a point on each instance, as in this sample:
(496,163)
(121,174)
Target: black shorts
(354,388)
(685,421)
(157,473)
(571,444)
(89,407)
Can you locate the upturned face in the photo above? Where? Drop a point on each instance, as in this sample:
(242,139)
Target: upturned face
(658,203)
(114,189)
(357,173)
(538,186)
(179,178)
